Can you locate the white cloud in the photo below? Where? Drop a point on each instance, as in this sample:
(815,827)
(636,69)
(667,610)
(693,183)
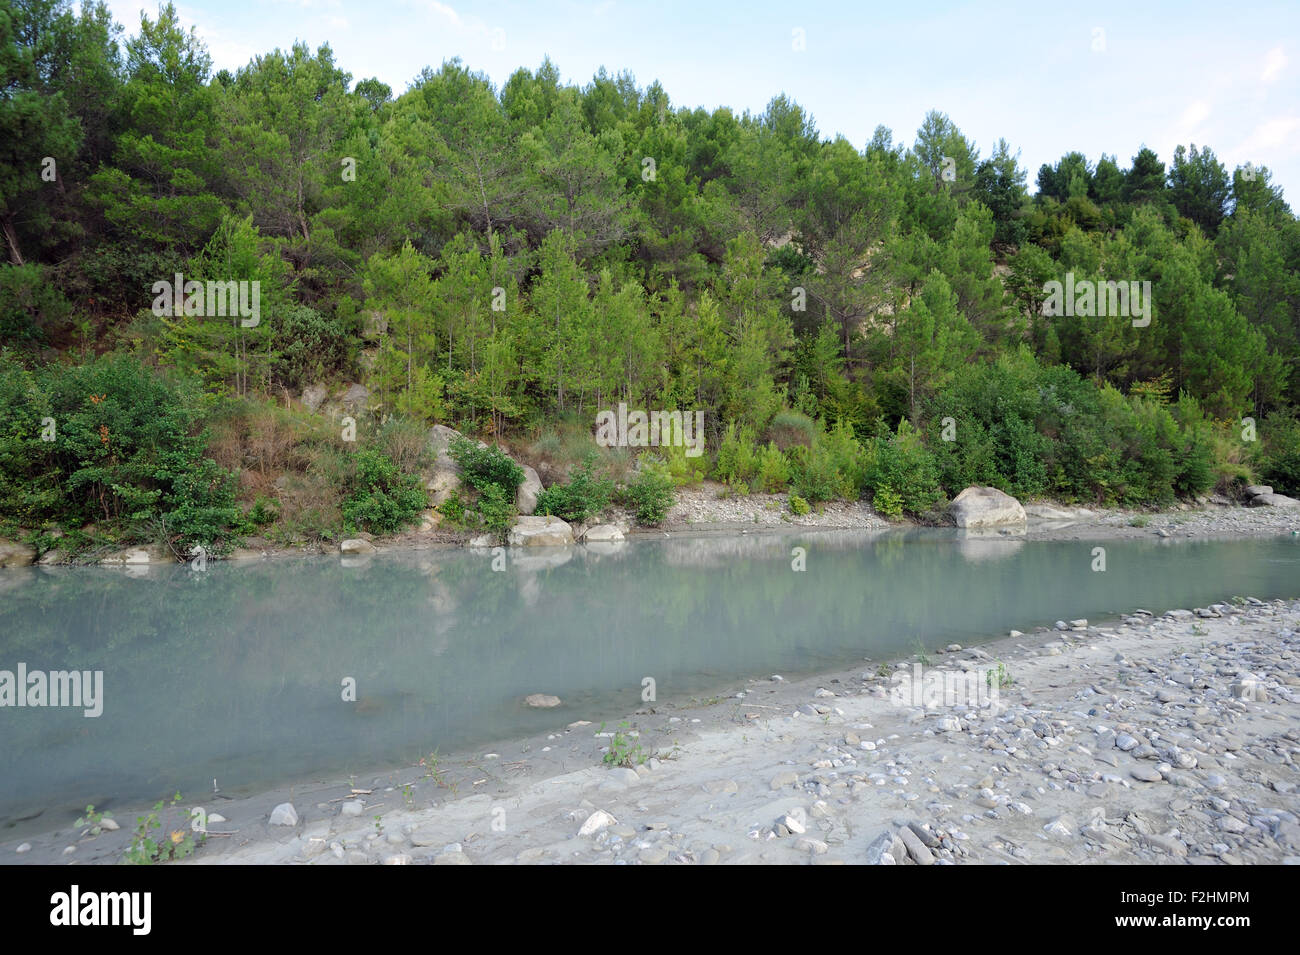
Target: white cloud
(1274,63)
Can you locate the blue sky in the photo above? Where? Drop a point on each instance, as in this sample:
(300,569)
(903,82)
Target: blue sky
(1105,77)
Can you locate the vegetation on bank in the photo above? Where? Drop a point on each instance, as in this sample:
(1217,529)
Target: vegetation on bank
(852,323)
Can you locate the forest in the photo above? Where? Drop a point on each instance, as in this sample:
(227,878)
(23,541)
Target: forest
(854,321)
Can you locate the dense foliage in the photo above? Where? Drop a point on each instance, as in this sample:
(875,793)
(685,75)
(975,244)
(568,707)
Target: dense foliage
(504,259)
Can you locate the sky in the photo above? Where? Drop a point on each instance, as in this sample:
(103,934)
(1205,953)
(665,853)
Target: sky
(1099,78)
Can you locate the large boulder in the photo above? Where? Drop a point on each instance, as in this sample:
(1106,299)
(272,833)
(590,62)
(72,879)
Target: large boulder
(313,396)
(14,554)
(356,545)
(602,533)
(441,483)
(1273,500)
(148,554)
(355,398)
(985,507)
(526,496)
(540,532)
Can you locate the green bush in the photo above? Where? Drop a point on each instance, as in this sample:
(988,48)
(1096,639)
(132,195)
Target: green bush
(901,466)
(127,454)
(887,501)
(773,469)
(1278,460)
(496,510)
(651,494)
(798,506)
(584,496)
(737,458)
(482,467)
(790,428)
(382,500)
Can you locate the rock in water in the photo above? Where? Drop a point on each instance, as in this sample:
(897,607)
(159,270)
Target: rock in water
(542,700)
(985,507)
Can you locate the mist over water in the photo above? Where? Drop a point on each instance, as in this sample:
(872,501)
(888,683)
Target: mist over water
(236,671)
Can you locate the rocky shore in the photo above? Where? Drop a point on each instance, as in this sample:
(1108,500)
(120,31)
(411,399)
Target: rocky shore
(1169,739)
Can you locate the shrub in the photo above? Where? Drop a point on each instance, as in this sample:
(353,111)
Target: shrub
(382,499)
(485,466)
(773,469)
(128,453)
(737,459)
(1279,459)
(887,501)
(651,494)
(798,506)
(790,428)
(902,466)
(495,509)
(584,496)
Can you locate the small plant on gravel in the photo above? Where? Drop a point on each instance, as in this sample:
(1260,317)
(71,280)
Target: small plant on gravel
(379,825)
(1199,631)
(94,820)
(921,655)
(1140,521)
(146,850)
(621,751)
(882,671)
(798,506)
(999,677)
(408,795)
(430,763)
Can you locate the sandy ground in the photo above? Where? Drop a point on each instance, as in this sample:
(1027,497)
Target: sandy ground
(1141,740)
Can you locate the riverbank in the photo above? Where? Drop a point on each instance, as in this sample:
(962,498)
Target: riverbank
(708,510)
(1142,740)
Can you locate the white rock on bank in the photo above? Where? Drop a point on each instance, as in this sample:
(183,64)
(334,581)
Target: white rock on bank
(357,546)
(540,532)
(985,507)
(284,815)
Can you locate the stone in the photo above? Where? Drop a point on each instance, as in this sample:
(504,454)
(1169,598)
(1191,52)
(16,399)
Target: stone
(542,700)
(540,532)
(985,507)
(1146,774)
(1273,500)
(313,396)
(284,815)
(356,545)
(355,398)
(782,780)
(915,847)
(602,533)
(353,807)
(879,851)
(526,495)
(597,821)
(15,554)
(1255,490)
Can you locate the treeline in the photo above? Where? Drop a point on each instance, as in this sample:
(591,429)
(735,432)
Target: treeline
(501,260)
